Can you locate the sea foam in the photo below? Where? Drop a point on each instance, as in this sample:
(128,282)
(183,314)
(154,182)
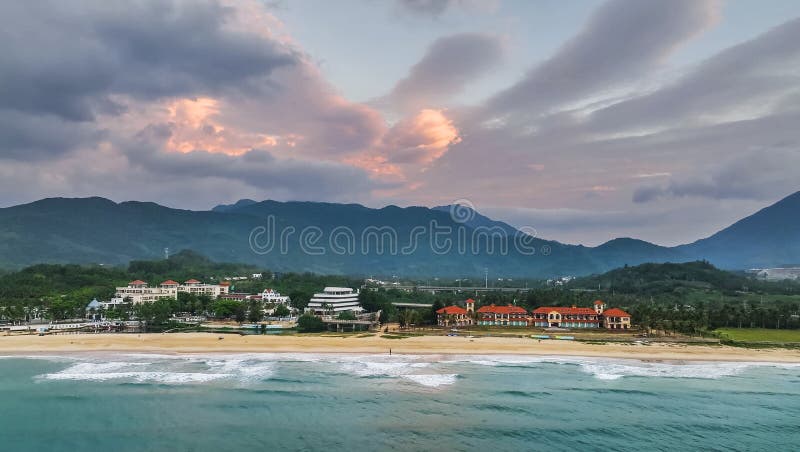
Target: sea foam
(613,369)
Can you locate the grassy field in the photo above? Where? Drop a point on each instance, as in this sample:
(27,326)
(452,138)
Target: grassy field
(760,335)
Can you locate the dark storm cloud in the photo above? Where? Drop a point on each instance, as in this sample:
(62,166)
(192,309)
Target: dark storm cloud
(36,137)
(68,59)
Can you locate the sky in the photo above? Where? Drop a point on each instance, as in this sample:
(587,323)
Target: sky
(663,120)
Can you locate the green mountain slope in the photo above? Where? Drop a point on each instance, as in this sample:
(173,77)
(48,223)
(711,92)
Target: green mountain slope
(352,239)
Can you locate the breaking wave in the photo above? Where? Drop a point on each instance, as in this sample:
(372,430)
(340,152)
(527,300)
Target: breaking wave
(613,369)
(432,371)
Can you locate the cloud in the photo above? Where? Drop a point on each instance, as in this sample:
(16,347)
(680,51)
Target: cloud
(756,175)
(421,139)
(620,42)
(176,91)
(739,82)
(445,70)
(430,8)
(199,103)
(36,137)
(84,53)
(260,168)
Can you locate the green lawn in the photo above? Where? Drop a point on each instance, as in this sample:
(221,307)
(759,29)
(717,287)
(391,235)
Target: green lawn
(760,335)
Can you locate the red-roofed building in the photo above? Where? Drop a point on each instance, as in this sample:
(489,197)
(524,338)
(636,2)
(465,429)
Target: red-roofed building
(574,317)
(137,283)
(470,304)
(169,283)
(453,316)
(563,317)
(616,319)
(502,316)
(192,281)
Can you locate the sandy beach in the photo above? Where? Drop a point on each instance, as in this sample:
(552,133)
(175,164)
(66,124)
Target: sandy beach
(233,343)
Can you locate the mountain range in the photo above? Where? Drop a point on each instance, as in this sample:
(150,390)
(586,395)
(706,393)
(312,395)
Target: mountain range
(356,240)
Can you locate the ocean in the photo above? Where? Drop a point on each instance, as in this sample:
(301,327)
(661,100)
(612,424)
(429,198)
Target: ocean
(214,402)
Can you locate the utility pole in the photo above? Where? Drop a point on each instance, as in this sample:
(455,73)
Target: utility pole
(486,277)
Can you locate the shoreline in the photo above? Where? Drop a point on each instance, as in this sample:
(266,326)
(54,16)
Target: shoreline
(199,343)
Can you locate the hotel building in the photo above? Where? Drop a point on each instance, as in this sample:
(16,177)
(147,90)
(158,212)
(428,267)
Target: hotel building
(456,315)
(616,319)
(271,296)
(560,317)
(335,299)
(502,316)
(140,292)
(574,317)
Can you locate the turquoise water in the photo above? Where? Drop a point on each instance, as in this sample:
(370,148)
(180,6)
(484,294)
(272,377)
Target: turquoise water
(368,402)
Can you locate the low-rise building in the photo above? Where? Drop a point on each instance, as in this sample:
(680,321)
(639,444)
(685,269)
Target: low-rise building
(616,319)
(502,316)
(272,296)
(575,317)
(565,317)
(139,291)
(453,316)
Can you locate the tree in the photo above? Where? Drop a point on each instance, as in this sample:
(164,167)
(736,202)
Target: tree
(155,312)
(309,323)
(224,309)
(239,313)
(187,302)
(254,311)
(281,311)
(299,299)
(346,315)
(61,309)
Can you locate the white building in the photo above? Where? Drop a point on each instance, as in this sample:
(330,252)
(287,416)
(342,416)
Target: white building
(779,274)
(271,296)
(140,292)
(335,299)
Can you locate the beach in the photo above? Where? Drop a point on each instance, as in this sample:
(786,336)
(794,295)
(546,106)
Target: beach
(416,345)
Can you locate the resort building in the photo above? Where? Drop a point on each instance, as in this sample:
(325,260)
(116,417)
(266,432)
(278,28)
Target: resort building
(502,316)
(196,287)
(574,317)
(140,292)
(616,319)
(271,296)
(453,316)
(267,296)
(561,317)
(334,300)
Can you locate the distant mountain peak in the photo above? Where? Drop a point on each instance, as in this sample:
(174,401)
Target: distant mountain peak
(228,207)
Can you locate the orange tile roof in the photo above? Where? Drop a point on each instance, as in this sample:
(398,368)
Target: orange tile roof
(615,312)
(469,300)
(510,309)
(564,310)
(452,310)
(138,282)
(192,281)
(599,302)
(169,283)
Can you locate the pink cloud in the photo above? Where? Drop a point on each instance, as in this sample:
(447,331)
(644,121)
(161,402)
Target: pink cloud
(420,139)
